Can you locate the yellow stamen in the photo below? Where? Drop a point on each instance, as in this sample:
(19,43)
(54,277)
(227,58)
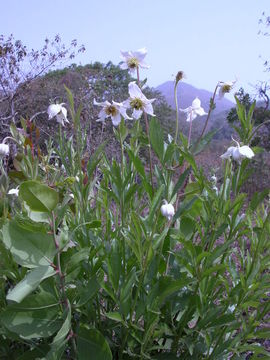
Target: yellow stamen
(111,110)
(133,63)
(136,103)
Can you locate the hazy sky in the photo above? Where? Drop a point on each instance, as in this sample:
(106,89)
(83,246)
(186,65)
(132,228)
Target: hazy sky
(209,40)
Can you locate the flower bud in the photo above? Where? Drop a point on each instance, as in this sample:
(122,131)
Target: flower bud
(4,150)
(167,210)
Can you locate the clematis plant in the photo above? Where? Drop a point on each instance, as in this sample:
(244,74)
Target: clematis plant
(132,60)
(194,110)
(114,111)
(138,101)
(238,152)
(58,111)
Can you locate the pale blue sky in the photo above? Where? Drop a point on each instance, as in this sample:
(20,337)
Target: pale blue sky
(209,40)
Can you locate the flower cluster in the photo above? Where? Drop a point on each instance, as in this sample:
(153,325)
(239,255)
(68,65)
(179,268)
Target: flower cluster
(137,101)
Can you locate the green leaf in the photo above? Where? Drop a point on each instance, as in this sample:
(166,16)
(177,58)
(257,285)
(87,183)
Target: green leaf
(204,142)
(258,198)
(30,283)
(89,291)
(61,337)
(185,206)
(30,246)
(181,181)
(165,287)
(39,353)
(155,203)
(156,138)
(39,197)
(116,316)
(35,317)
(92,343)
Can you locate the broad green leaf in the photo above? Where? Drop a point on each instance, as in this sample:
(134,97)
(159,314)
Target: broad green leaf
(91,342)
(39,197)
(29,246)
(30,283)
(35,317)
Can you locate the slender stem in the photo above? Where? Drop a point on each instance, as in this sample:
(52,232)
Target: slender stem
(149,149)
(209,112)
(148,136)
(176,108)
(256,129)
(62,282)
(190,127)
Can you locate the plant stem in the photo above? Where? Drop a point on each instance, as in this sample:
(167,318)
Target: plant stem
(176,108)
(209,112)
(190,127)
(148,136)
(62,281)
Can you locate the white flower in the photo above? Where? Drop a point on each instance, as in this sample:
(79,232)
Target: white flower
(4,150)
(194,110)
(59,111)
(133,59)
(114,111)
(167,210)
(138,102)
(225,87)
(214,178)
(14,191)
(238,152)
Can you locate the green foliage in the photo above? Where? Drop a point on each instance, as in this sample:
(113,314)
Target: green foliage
(90,266)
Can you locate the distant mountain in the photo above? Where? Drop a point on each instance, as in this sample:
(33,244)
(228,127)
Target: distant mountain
(187,93)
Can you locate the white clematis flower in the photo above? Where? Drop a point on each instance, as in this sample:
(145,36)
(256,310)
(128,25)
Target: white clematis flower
(114,111)
(194,110)
(238,152)
(167,210)
(225,87)
(58,111)
(4,150)
(14,192)
(138,102)
(133,59)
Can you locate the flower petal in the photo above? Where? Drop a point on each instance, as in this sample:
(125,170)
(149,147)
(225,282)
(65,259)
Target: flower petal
(200,111)
(116,119)
(148,108)
(246,151)
(134,90)
(228,153)
(137,114)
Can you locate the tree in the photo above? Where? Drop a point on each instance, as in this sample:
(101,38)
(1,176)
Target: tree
(19,67)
